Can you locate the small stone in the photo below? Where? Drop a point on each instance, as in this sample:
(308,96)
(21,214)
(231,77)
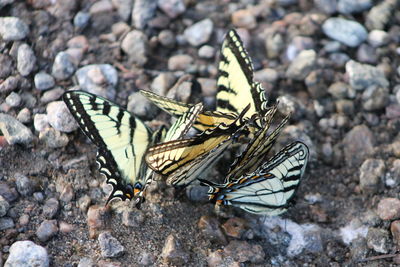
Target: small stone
(326,6)
(4,206)
(134,218)
(348,32)
(84,203)
(6,223)
(67,194)
(50,208)
(395,230)
(378,38)
(9,84)
(81,20)
(244,18)
(208,86)
(147,259)
(26,60)
(52,95)
(44,81)
(10,194)
(274,44)
(13,100)
(46,230)
(344,106)
(375,98)
(141,106)
(63,66)
(173,253)
(143,11)
(102,6)
(371,172)
(358,145)
(24,116)
(86,262)
(298,44)
(210,227)
(242,251)
(341,90)
(13,29)
(38,196)
(24,185)
(66,227)
(182,90)
(60,118)
(353,6)
(173,8)
(378,240)
(96,217)
(316,83)
(162,83)
(179,62)
(235,227)
(135,44)
(199,33)
(379,16)
(266,75)
(219,259)
(110,247)
(40,122)
(362,76)
(6,66)
(14,131)
(302,65)
(388,209)
(166,38)
(27,253)
(206,51)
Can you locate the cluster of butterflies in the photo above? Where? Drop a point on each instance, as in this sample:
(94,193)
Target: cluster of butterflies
(130,153)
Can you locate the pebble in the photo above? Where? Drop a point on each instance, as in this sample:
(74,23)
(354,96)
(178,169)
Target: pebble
(40,122)
(9,84)
(110,247)
(84,203)
(173,8)
(180,62)
(44,81)
(395,230)
(6,65)
(13,100)
(197,193)
(388,209)
(362,76)
(6,223)
(15,132)
(27,253)
(99,79)
(219,259)
(302,65)
(135,44)
(24,116)
(375,98)
(298,44)
(244,18)
(10,194)
(208,86)
(38,196)
(206,51)
(173,253)
(147,259)
(26,60)
(25,186)
(60,118)
(378,240)
(182,91)
(28,99)
(379,16)
(358,145)
(23,219)
(53,138)
(139,105)
(274,44)
(162,83)
(67,194)
(133,218)
(81,20)
(353,6)
(288,104)
(316,83)
(96,219)
(340,90)
(124,8)
(199,33)
(210,227)
(371,172)
(348,32)
(4,206)
(167,38)
(235,227)
(267,75)
(50,208)
(13,29)
(378,38)
(143,11)
(46,230)
(52,95)
(102,6)
(366,54)
(344,106)
(63,66)
(86,262)
(242,251)
(119,29)
(326,6)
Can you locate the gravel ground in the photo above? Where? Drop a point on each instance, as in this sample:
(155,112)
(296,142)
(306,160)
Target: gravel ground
(334,63)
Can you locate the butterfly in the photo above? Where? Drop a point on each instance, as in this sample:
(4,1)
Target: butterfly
(122,140)
(270,188)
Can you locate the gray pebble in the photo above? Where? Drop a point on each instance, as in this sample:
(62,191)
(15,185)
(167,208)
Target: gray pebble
(50,208)
(124,8)
(40,122)
(53,138)
(26,60)
(367,54)
(371,172)
(179,62)
(172,8)
(362,76)
(199,33)
(378,38)
(143,11)
(27,253)
(375,98)
(133,218)
(197,193)
(141,106)
(7,192)
(326,6)
(99,79)
(10,84)
(86,262)
(358,144)
(242,251)
(4,206)
(173,252)
(147,259)
(298,44)
(274,44)
(63,66)
(14,131)
(302,65)
(208,86)
(206,51)
(288,104)
(379,16)
(13,100)
(2,4)
(13,29)
(24,185)
(44,81)
(6,66)
(81,20)
(110,247)
(162,83)
(167,38)
(24,116)
(353,6)
(341,90)
(348,32)
(38,196)
(378,240)
(6,223)
(52,95)
(60,118)
(135,44)
(267,75)
(46,230)
(339,59)
(332,46)
(244,18)
(84,203)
